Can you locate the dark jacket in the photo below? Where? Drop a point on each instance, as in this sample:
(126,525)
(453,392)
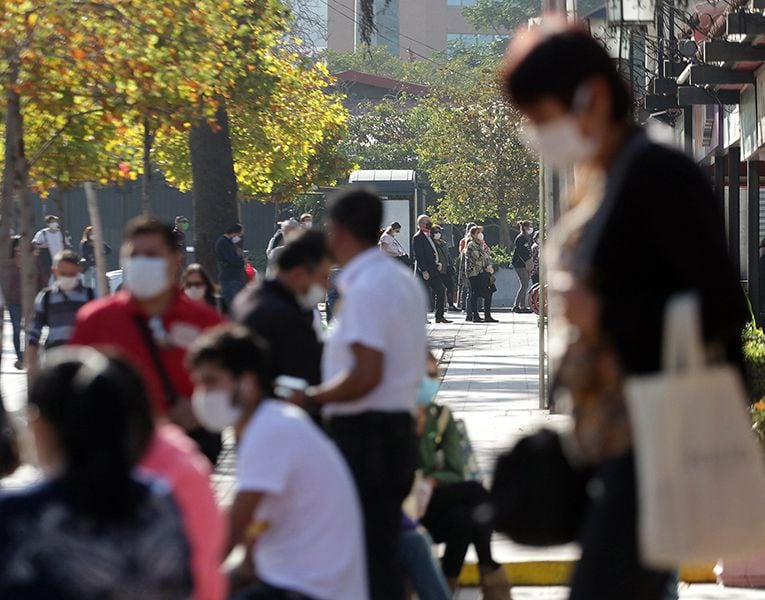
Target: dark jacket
(272,312)
(88,252)
(447,265)
(230,260)
(635,269)
(424,255)
(522,252)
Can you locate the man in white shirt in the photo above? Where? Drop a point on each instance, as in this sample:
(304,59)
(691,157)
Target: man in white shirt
(373,361)
(50,238)
(295,496)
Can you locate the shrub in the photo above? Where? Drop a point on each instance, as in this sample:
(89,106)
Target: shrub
(500,257)
(754,361)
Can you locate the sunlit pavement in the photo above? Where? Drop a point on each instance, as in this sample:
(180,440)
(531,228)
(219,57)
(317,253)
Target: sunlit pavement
(687,592)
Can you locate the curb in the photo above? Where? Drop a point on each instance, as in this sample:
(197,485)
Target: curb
(558,573)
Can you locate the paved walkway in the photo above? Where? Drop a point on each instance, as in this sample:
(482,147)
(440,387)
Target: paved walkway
(492,383)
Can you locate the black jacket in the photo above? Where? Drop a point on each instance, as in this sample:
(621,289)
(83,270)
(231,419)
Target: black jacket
(664,235)
(522,252)
(424,254)
(273,313)
(230,262)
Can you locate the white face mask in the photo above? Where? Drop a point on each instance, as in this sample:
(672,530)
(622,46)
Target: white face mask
(315,294)
(195,293)
(436,236)
(67,284)
(560,142)
(146,276)
(308,224)
(480,237)
(53,225)
(236,239)
(215,409)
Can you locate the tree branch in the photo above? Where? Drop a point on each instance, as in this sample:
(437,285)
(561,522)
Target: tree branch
(57,134)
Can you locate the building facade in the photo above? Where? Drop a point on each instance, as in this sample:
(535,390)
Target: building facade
(412,29)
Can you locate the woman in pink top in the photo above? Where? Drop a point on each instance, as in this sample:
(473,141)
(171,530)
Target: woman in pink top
(175,458)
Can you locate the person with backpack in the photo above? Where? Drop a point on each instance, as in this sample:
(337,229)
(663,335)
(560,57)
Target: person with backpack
(50,240)
(450,516)
(56,308)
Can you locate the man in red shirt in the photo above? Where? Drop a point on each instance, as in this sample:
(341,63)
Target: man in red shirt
(152,323)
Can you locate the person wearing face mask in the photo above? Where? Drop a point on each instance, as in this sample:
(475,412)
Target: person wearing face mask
(295,496)
(56,308)
(231,264)
(180,229)
(281,309)
(197,285)
(50,240)
(606,284)
(153,323)
(523,265)
(428,266)
(478,269)
(447,265)
(450,513)
(390,246)
(93,528)
(88,253)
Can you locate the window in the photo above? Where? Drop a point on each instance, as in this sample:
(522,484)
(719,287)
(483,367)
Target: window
(457,41)
(460,2)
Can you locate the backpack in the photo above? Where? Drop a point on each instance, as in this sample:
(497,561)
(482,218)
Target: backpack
(470,464)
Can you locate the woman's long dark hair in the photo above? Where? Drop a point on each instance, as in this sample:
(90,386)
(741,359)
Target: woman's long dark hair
(99,411)
(211,290)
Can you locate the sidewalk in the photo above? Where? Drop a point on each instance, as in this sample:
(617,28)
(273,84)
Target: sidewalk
(492,383)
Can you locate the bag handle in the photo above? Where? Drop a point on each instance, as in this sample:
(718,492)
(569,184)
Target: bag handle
(683,343)
(156,359)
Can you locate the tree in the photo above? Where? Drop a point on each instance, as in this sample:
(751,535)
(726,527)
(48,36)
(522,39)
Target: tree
(473,154)
(501,15)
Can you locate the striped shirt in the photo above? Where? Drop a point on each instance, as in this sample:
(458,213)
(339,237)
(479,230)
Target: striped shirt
(56,310)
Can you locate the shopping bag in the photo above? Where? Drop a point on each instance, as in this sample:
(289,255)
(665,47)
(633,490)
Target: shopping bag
(701,473)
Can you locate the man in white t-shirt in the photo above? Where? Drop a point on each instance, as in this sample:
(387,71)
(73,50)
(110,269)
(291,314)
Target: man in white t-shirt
(295,497)
(50,238)
(373,362)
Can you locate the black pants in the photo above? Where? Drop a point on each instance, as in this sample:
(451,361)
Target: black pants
(435,290)
(264,591)
(381,450)
(610,565)
(479,287)
(448,281)
(450,520)
(210,444)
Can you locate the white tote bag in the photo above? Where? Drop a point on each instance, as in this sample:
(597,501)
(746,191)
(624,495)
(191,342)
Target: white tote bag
(700,471)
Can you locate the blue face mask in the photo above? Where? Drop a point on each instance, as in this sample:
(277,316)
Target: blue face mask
(427,391)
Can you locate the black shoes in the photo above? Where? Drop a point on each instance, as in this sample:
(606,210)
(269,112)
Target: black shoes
(490,319)
(443,320)
(522,311)
(453,308)
(477,319)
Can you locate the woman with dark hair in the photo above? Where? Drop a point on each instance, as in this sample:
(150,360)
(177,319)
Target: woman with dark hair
(197,285)
(93,529)
(391,246)
(579,113)
(523,264)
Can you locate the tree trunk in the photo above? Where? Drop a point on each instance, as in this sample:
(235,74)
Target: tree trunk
(13,136)
(215,190)
(505,234)
(146,179)
(98,239)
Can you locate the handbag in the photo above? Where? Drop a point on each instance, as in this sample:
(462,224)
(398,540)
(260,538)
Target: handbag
(538,497)
(700,471)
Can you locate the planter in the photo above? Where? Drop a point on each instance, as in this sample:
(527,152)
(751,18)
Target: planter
(742,573)
(507,287)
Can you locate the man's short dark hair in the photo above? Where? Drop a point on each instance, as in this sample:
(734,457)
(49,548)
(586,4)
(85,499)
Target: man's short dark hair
(232,348)
(358,209)
(67,256)
(305,249)
(150,226)
(235,228)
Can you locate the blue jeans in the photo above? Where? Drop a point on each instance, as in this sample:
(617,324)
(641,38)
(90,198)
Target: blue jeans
(229,289)
(15,312)
(421,567)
